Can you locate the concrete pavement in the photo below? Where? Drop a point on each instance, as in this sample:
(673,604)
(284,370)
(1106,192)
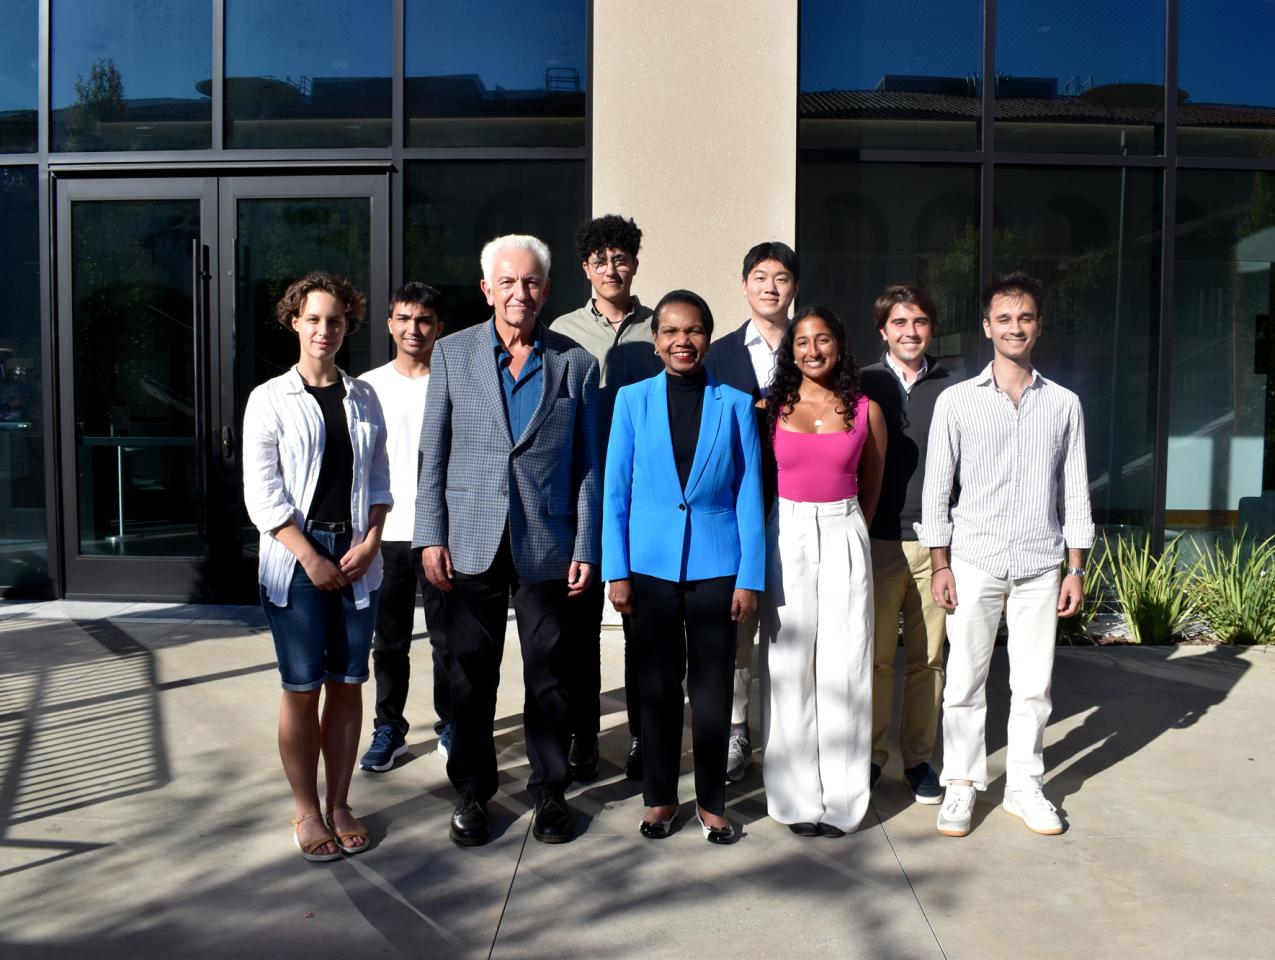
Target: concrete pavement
(143,813)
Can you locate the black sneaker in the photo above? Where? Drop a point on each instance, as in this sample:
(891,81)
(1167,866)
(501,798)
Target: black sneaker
(924,783)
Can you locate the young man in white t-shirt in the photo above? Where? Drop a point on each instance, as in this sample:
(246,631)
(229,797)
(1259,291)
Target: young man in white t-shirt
(414,324)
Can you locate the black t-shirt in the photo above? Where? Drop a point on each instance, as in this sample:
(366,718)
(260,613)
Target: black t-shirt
(331,502)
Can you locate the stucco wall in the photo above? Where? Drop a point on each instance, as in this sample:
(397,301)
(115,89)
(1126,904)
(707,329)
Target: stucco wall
(694,127)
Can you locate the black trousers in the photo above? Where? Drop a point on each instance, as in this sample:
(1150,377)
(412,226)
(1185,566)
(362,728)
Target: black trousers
(632,687)
(583,632)
(684,630)
(476,615)
(392,642)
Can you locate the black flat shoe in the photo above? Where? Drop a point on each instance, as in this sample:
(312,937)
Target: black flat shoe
(551,822)
(828,830)
(469,822)
(582,758)
(804,829)
(657,829)
(719,835)
(633,765)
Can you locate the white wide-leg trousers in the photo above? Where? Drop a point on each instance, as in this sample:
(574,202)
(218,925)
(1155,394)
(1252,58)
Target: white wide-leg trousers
(816,664)
(1031,613)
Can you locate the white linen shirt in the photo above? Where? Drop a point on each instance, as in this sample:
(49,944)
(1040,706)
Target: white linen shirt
(1021,472)
(762,357)
(283,440)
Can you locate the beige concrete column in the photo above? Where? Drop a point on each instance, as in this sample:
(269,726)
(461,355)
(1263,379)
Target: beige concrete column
(694,130)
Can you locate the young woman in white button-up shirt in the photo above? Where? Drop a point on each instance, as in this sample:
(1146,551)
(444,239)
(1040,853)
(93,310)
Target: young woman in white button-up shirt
(316,484)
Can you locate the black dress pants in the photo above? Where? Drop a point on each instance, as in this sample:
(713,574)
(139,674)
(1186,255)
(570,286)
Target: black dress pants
(583,632)
(684,630)
(476,615)
(392,642)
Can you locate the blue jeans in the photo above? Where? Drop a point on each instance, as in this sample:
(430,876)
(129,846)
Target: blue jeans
(320,635)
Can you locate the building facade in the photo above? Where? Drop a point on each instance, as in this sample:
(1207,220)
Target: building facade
(167,166)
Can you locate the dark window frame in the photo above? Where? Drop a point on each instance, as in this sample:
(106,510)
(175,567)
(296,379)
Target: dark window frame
(221,161)
(988,158)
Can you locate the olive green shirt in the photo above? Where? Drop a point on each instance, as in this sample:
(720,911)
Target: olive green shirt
(624,356)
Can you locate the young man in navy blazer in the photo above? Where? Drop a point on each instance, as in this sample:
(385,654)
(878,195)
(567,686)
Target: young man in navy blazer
(745,360)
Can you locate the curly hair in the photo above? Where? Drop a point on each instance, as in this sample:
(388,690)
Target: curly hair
(292,302)
(785,388)
(609,232)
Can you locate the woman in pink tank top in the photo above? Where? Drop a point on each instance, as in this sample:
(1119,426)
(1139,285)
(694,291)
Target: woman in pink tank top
(816,649)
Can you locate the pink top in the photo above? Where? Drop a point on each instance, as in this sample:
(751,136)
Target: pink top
(821,467)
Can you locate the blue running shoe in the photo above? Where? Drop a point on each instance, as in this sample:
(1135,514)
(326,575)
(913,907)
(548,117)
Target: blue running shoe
(388,742)
(445,742)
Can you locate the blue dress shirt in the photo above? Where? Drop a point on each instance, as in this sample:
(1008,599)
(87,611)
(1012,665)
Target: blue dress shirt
(522,396)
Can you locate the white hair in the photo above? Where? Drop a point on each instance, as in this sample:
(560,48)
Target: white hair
(513,241)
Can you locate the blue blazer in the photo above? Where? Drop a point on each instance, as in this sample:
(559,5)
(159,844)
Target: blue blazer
(713,528)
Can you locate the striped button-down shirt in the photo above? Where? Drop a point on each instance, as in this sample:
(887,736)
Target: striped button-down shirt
(1018,473)
(283,440)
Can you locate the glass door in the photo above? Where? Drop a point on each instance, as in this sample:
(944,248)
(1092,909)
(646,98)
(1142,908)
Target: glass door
(275,230)
(166,292)
(134,306)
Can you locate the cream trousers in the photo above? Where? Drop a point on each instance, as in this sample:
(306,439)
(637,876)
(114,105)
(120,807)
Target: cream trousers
(1031,612)
(816,663)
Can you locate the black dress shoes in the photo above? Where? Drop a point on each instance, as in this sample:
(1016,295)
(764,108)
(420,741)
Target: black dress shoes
(828,830)
(469,822)
(582,758)
(804,829)
(633,765)
(551,822)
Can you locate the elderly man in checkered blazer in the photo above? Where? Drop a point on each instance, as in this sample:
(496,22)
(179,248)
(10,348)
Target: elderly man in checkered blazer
(509,500)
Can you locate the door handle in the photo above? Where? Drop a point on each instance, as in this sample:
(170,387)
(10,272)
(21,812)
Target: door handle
(227,444)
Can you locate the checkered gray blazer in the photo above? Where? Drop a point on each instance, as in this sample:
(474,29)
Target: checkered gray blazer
(474,477)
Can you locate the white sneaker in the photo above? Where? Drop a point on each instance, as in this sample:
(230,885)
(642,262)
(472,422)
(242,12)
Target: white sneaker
(739,757)
(1033,809)
(957,811)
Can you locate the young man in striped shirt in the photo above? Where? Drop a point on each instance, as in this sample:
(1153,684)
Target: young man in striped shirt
(1009,445)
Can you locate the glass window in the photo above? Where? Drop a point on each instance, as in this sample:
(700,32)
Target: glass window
(1080,77)
(454,208)
(308,73)
(861,227)
(1092,237)
(1227,96)
(506,73)
(23,544)
(132,74)
(19,79)
(902,74)
(1222,412)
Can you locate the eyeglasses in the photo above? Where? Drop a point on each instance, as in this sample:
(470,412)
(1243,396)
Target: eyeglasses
(619,262)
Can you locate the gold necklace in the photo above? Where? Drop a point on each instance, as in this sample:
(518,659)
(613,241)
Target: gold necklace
(819,419)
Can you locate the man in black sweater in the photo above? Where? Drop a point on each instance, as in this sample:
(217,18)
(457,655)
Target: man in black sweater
(905,383)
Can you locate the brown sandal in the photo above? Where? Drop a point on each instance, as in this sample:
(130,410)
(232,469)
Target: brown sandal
(342,839)
(307,849)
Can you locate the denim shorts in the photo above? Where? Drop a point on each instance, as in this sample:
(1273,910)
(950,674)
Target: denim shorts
(320,635)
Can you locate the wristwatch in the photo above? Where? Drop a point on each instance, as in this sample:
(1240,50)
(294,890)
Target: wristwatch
(1075,571)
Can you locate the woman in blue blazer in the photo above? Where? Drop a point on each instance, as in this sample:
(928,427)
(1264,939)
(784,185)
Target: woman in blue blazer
(684,551)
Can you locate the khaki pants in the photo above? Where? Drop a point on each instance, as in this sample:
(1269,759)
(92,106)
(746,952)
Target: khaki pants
(901,582)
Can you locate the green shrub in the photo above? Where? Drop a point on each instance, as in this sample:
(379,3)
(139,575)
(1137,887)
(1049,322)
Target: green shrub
(1234,591)
(1150,590)
(1075,629)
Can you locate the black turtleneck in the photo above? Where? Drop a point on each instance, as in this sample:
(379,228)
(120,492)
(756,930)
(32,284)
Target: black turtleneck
(685,408)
